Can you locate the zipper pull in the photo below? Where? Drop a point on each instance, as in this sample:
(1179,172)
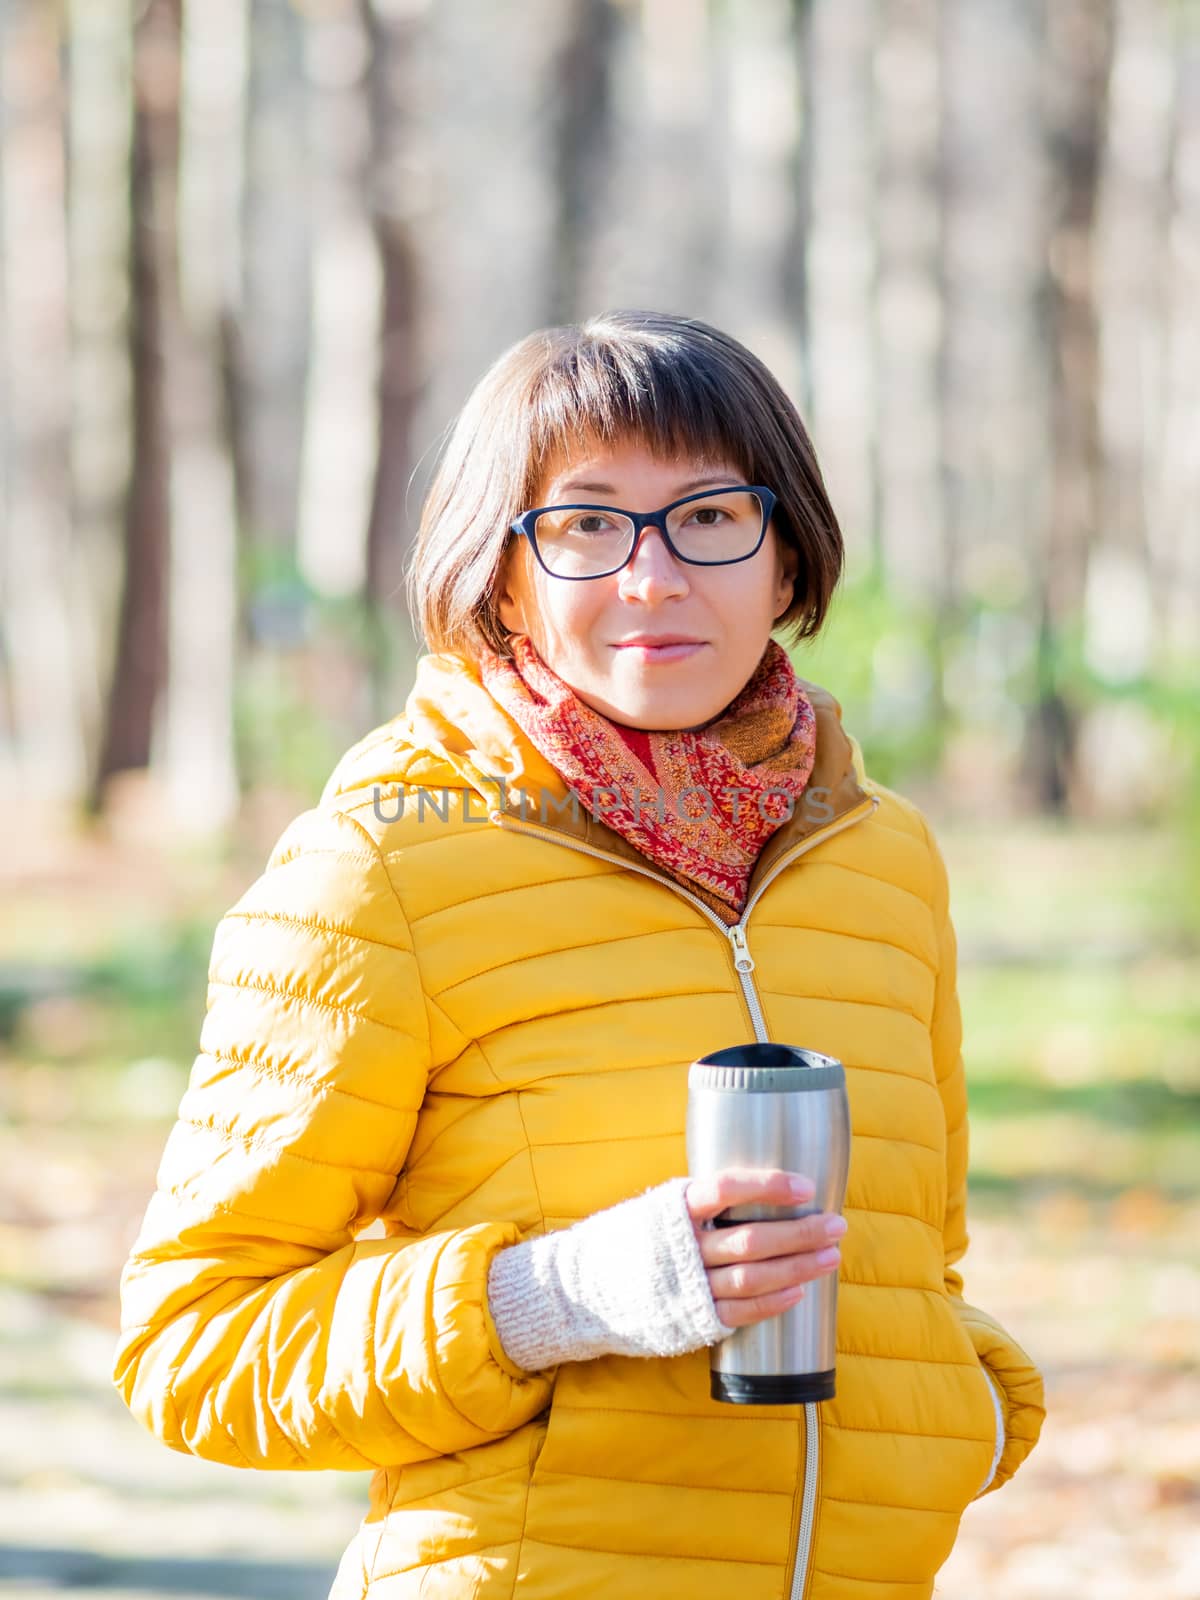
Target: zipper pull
(742,959)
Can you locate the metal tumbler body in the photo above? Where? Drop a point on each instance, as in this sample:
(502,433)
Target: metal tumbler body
(774,1105)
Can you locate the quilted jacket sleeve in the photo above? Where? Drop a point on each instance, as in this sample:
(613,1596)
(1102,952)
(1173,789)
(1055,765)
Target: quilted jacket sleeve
(256,1330)
(1016,1377)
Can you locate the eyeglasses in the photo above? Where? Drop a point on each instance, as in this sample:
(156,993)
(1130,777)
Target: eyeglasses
(712,529)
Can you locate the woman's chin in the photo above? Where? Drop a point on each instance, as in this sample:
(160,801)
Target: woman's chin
(652,713)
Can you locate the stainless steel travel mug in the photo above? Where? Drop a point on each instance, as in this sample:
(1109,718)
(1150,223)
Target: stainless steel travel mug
(774,1105)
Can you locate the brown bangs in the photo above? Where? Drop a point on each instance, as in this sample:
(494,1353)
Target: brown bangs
(656,393)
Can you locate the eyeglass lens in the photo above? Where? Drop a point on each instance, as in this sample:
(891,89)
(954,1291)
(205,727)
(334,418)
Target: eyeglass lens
(580,543)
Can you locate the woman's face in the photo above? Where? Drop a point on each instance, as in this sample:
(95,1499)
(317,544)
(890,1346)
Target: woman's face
(581,629)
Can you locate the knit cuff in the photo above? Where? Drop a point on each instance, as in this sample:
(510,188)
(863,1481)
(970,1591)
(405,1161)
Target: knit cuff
(626,1281)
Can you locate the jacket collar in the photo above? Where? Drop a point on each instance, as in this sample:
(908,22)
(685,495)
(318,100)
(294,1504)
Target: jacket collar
(453,735)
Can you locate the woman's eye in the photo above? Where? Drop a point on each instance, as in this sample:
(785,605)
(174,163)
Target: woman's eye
(593,522)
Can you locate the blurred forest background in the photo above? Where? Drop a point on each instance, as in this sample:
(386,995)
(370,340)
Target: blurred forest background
(253,256)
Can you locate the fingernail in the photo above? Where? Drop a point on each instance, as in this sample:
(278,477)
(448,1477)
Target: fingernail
(835,1227)
(826,1258)
(790,1296)
(802,1188)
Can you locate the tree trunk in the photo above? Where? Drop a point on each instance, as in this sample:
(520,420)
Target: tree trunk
(198,750)
(798,222)
(100,110)
(396,206)
(582,78)
(1173,513)
(341,446)
(993,401)
(908,314)
(277,282)
(652,230)
(1079,44)
(841,269)
(36,554)
(484,98)
(140,666)
(756,112)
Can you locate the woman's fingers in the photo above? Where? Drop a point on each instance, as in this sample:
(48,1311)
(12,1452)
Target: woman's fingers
(759,1241)
(758,1269)
(741,1313)
(739,1186)
(752,1280)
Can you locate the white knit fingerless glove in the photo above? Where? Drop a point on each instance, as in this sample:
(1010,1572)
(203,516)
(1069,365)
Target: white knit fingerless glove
(628,1281)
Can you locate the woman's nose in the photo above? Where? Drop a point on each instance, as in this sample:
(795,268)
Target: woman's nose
(652,571)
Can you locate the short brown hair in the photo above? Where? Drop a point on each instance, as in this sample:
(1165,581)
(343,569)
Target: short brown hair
(677,385)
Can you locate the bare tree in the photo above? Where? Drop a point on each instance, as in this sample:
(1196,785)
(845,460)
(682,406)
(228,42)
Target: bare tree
(396,199)
(1078,59)
(755,114)
(582,97)
(993,402)
(908,321)
(273,329)
(140,665)
(841,269)
(645,220)
(198,755)
(1173,509)
(798,225)
(41,664)
(99,61)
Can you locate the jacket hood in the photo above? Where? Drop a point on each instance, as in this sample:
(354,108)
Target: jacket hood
(453,734)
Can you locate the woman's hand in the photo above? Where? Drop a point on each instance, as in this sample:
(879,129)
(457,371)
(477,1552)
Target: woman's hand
(758,1269)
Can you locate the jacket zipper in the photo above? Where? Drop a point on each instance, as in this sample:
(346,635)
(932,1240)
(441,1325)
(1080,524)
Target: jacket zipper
(744,964)
(743,961)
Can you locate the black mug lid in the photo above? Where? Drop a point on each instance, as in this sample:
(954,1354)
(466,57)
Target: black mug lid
(766,1068)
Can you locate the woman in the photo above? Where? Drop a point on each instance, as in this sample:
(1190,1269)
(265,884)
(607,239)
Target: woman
(610,832)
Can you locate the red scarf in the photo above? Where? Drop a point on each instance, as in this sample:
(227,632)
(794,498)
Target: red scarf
(763,744)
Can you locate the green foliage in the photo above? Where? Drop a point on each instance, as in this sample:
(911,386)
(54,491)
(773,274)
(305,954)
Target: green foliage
(153,967)
(910,678)
(879,655)
(146,994)
(1169,693)
(109,1037)
(289,727)
(282,740)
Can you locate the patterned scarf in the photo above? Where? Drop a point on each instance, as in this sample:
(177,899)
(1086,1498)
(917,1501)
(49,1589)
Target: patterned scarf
(702,803)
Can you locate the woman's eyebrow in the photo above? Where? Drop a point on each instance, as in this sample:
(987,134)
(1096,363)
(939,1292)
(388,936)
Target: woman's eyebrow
(608,488)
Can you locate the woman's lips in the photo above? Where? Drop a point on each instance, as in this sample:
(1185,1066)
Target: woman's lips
(661,652)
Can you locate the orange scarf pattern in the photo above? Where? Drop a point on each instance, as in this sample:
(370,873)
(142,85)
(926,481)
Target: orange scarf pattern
(699,803)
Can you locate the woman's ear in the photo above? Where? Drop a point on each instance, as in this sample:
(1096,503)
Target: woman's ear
(788,565)
(510,590)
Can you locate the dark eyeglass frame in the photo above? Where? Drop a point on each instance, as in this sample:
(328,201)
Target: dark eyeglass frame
(524,525)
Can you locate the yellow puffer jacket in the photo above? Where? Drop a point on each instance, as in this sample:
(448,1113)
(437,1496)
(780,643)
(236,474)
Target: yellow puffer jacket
(466,1028)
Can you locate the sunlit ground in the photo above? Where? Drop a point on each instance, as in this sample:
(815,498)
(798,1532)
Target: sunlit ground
(1082,1015)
